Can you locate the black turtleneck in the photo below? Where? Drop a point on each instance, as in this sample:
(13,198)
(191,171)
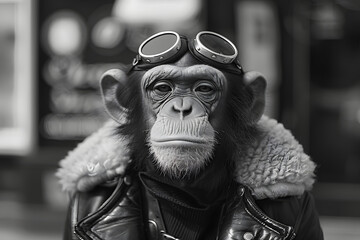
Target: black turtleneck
(191,206)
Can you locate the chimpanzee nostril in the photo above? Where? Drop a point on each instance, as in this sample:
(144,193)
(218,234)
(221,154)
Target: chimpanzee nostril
(187,111)
(183,107)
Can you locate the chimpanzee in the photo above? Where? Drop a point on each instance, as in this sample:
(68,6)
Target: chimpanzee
(188,153)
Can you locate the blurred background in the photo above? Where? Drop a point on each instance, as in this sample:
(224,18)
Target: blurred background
(52,54)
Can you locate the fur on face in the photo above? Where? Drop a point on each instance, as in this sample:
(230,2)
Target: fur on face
(177,158)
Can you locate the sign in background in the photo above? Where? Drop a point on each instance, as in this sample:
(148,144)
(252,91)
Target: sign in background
(78,42)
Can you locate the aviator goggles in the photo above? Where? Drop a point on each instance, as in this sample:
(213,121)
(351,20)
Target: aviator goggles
(168,46)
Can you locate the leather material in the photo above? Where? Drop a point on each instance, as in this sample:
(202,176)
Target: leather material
(119,217)
(86,203)
(106,213)
(242,219)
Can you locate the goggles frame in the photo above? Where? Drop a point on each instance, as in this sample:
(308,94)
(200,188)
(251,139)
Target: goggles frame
(207,52)
(155,58)
(195,46)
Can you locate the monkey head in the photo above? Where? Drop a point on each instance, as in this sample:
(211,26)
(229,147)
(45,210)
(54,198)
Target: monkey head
(182,102)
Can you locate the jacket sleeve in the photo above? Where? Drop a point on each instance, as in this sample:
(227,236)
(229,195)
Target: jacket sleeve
(298,212)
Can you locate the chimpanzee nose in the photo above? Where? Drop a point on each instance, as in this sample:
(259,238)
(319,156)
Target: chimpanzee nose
(184,108)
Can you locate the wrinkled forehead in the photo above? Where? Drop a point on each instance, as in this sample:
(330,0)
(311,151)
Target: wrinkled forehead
(184,71)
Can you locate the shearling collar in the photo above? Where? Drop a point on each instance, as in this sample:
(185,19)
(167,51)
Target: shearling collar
(275,165)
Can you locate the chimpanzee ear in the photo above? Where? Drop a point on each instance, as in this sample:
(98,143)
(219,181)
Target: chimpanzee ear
(112,86)
(256,84)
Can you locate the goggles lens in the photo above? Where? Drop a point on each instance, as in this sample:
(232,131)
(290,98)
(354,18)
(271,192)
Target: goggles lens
(160,47)
(215,47)
(159,44)
(217,44)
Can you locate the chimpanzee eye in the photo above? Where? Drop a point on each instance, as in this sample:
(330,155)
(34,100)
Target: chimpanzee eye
(162,87)
(204,88)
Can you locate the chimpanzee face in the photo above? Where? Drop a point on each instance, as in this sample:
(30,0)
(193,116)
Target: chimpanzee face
(179,101)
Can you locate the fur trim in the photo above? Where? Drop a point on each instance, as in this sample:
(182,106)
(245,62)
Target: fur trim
(275,165)
(100,157)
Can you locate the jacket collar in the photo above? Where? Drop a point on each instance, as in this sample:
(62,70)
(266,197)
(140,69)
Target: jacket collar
(274,165)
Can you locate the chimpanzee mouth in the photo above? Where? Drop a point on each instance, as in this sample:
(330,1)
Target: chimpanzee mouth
(177,141)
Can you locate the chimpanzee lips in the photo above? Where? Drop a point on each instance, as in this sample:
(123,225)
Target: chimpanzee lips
(193,131)
(179,141)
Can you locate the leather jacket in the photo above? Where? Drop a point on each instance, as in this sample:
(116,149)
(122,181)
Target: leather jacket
(270,199)
(115,210)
